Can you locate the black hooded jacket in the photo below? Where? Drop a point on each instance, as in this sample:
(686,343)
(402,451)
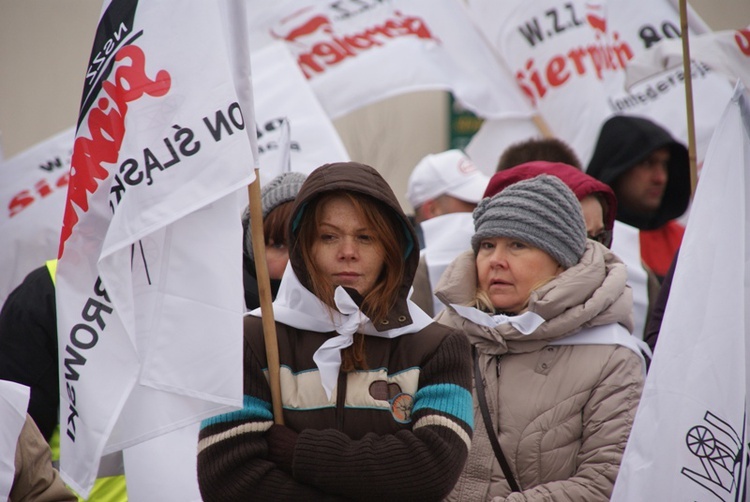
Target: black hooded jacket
(624,142)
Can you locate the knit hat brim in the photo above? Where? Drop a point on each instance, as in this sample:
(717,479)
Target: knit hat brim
(541,211)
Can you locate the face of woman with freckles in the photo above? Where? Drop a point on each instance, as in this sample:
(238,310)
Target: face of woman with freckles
(346,249)
(508,270)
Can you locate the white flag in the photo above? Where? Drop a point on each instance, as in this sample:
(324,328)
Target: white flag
(689,438)
(357,53)
(494,136)
(569,57)
(33,185)
(627,246)
(149,479)
(149,284)
(662,98)
(727,52)
(282,94)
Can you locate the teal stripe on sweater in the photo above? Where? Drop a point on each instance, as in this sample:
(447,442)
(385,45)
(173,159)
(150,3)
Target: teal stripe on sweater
(449,398)
(253,409)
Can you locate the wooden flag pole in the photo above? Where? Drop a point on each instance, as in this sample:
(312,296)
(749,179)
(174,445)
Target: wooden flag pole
(264,291)
(541,124)
(686,68)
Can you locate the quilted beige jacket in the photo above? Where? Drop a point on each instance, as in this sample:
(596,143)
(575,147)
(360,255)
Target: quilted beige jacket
(562,413)
(35,480)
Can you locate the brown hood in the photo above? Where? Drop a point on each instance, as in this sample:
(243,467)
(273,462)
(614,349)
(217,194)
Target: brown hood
(361,179)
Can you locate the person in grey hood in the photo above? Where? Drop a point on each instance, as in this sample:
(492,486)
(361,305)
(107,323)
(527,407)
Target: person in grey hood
(276,200)
(650,174)
(376,397)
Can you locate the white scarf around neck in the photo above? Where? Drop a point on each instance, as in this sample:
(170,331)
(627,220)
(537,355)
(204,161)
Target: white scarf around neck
(526,323)
(299,308)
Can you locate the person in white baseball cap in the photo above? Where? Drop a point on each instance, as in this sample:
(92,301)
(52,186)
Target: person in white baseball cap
(444,188)
(444,183)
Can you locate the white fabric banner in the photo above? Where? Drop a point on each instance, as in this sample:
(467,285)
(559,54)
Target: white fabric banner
(727,52)
(494,136)
(14,399)
(164,468)
(626,244)
(357,53)
(281,92)
(644,24)
(149,284)
(569,57)
(33,185)
(689,438)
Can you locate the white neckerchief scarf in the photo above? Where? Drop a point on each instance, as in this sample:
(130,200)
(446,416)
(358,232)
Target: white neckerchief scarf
(609,334)
(526,323)
(299,308)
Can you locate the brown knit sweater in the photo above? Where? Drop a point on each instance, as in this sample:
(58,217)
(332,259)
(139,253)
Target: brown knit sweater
(399,431)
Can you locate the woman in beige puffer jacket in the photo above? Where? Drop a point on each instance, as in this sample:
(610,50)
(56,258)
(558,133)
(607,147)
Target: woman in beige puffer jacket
(562,398)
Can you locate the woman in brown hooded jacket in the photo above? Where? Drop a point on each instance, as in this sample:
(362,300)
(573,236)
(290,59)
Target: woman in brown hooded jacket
(376,397)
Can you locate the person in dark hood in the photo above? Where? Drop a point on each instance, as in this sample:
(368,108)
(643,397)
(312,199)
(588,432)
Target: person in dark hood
(376,397)
(649,172)
(276,205)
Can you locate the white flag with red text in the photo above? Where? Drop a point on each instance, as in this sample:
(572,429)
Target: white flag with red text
(356,53)
(33,185)
(569,57)
(727,52)
(281,93)
(494,136)
(149,283)
(689,438)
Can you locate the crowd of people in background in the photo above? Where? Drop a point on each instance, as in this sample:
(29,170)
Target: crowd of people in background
(489,346)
